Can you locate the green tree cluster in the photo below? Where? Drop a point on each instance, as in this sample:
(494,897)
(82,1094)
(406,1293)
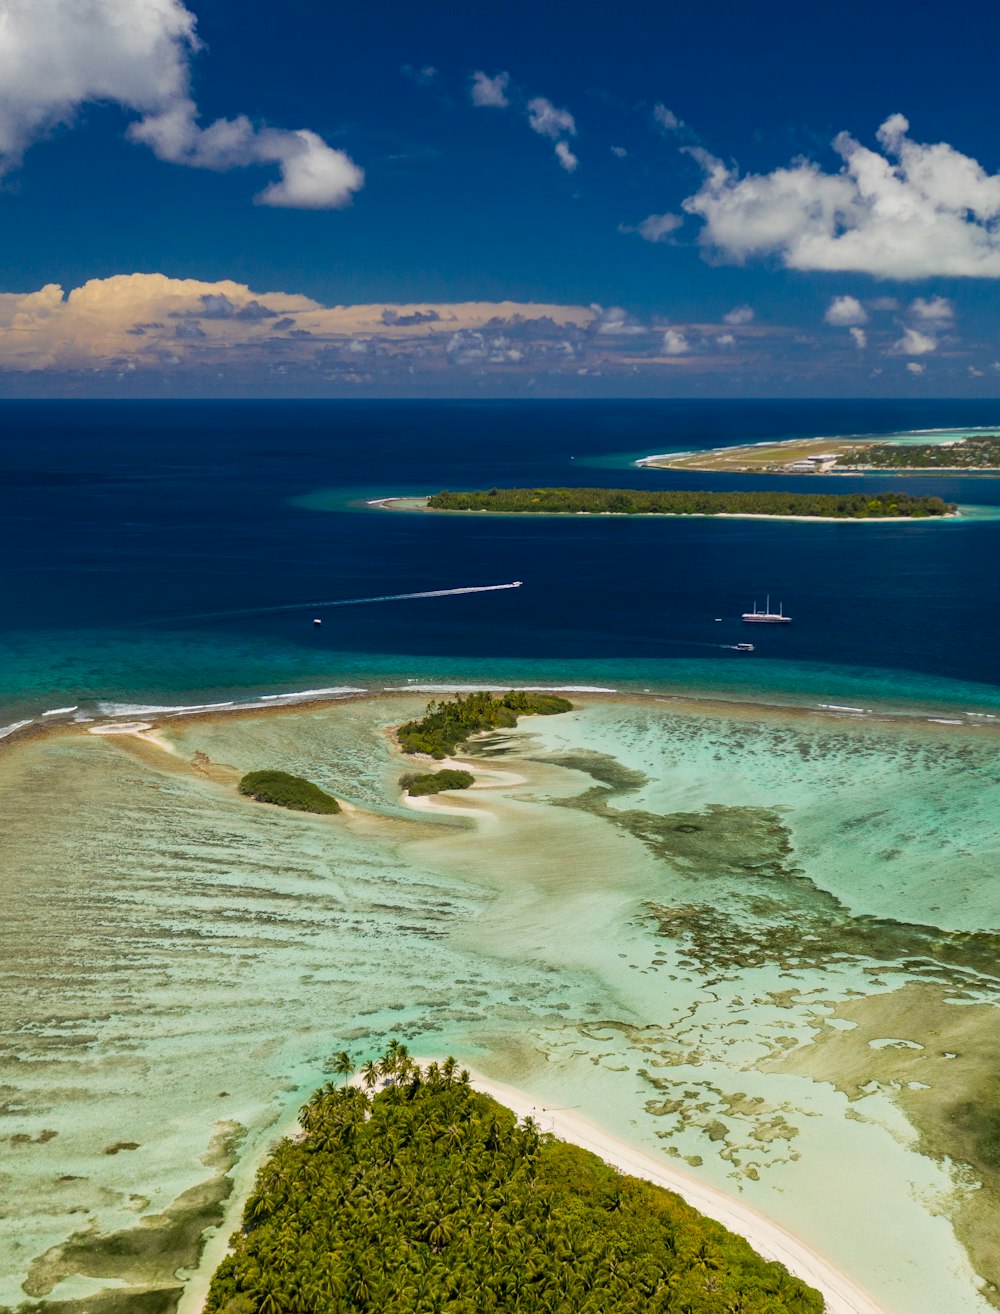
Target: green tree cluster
(981,452)
(287,791)
(682,502)
(448,724)
(433,782)
(428,1198)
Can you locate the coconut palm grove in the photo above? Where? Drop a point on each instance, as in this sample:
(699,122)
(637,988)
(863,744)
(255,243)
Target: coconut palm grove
(411,1193)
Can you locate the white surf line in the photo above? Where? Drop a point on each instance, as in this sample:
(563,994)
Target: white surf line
(12,729)
(334,602)
(841,1294)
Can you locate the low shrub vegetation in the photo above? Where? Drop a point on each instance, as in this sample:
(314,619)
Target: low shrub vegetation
(287,791)
(433,782)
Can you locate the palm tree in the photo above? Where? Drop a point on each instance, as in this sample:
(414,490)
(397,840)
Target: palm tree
(370,1075)
(342,1064)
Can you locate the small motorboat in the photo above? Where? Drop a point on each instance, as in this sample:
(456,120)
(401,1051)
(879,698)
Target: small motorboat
(743,647)
(317,621)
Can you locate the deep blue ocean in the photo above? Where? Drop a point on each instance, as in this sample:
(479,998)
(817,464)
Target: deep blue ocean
(132,529)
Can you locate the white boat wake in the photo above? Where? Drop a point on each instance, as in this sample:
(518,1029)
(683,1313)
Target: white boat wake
(336,602)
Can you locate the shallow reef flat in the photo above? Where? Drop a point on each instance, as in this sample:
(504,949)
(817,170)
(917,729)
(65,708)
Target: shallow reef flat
(746,940)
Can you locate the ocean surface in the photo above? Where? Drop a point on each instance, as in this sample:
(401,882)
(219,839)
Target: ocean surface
(144,542)
(751,933)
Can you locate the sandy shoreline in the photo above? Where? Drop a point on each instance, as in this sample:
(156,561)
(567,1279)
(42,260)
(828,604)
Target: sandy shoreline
(841,1294)
(419,504)
(769,1239)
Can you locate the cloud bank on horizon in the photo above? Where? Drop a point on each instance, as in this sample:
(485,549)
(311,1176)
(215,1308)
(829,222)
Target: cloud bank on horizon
(139,327)
(142,322)
(57,56)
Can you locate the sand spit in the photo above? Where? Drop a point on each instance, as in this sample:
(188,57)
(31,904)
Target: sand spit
(450,802)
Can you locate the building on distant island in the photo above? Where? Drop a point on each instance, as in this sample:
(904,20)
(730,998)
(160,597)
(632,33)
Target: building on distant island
(821,464)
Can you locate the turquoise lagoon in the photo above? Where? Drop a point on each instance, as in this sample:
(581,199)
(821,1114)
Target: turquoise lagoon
(675,921)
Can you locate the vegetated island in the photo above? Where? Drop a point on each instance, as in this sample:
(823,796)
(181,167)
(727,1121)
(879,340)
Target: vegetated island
(287,791)
(445,725)
(976,455)
(681,502)
(418,783)
(429,1196)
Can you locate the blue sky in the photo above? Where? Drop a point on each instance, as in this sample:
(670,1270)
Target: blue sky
(211,198)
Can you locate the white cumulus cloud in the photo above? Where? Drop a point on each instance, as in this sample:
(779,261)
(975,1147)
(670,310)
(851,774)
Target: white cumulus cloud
(614,321)
(934,309)
(914,368)
(490,93)
(675,343)
(546,119)
(655,227)
(908,210)
(844,311)
(860,338)
(59,55)
(739,315)
(666,119)
(914,343)
(557,124)
(566,157)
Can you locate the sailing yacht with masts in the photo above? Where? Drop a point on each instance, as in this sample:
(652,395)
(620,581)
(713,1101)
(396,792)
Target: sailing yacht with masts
(767,616)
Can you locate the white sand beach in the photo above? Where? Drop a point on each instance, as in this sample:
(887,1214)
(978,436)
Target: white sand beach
(841,1294)
(768,1239)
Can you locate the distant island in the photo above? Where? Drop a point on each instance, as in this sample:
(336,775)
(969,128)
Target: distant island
(976,455)
(678,502)
(411,1192)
